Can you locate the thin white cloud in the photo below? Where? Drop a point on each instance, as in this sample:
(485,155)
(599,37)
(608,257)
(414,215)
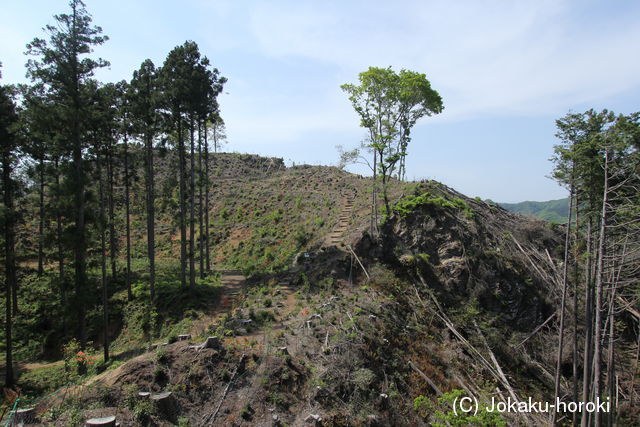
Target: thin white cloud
(484,57)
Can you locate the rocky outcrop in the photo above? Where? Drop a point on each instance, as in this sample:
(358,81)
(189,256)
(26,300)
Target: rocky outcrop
(468,252)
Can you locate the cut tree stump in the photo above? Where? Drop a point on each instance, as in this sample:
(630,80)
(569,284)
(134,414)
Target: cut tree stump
(283,351)
(158,344)
(104,421)
(184,337)
(211,342)
(313,419)
(165,405)
(23,416)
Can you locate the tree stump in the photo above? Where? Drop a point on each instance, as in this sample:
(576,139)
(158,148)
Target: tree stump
(184,337)
(158,345)
(211,342)
(104,421)
(23,416)
(165,405)
(314,419)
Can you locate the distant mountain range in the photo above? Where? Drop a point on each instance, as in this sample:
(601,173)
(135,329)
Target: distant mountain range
(552,211)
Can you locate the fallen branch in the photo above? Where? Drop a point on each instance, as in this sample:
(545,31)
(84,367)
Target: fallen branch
(470,391)
(505,381)
(494,370)
(542,274)
(358,259)
(211,418)
(627,306)
(426,378)
(536,330)
(439,312)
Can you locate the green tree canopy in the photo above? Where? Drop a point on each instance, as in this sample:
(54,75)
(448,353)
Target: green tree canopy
(389,105)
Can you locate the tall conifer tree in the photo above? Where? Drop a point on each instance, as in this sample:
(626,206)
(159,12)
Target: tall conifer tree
(8,146)
(64,67)
(143,96)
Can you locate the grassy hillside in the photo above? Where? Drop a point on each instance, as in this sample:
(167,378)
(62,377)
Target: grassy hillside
(552,210)
(263,215)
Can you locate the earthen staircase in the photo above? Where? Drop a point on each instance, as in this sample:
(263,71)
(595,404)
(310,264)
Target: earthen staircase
(337,234)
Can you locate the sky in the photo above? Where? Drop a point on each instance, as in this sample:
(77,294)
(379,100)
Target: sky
(506,70)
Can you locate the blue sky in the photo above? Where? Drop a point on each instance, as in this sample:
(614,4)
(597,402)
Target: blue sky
(505,69)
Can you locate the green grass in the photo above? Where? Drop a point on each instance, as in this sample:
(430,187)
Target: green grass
(173,310)
(45,380)
(36,383)
(408,204)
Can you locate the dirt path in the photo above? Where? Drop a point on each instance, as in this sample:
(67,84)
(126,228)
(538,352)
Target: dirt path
(232,285)
(284,306)
(30,366)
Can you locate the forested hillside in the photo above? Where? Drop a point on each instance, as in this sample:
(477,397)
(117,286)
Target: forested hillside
(76,147)
(553,210)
